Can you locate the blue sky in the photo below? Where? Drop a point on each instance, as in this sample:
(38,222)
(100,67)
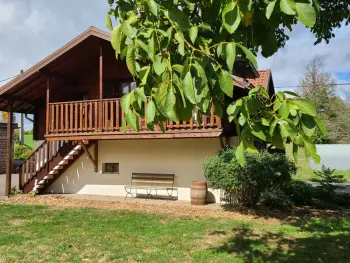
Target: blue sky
(32,29)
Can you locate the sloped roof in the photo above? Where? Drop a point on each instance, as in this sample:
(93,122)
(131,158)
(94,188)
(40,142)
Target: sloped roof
(263,80)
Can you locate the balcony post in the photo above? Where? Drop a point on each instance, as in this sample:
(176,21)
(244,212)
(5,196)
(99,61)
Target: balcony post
(9,147)
(48,84)
(101,88)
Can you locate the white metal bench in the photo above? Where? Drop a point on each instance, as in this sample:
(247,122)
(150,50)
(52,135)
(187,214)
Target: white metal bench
(150,182)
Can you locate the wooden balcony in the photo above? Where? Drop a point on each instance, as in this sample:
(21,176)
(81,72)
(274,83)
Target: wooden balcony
(95,119)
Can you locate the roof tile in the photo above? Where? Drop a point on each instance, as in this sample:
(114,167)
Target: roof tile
(263,80)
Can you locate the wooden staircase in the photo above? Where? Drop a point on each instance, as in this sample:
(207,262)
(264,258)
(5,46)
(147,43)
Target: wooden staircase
(47,163)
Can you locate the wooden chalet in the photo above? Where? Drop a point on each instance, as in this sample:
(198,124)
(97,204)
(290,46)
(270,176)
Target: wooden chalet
(74,95)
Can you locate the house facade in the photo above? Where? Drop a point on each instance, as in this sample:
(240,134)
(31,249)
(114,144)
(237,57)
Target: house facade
(75,94)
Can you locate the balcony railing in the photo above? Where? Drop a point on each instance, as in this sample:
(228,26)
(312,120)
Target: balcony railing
(90,117)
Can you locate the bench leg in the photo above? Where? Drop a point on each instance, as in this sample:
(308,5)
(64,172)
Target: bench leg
(170,194)
(149,193)
(128,193)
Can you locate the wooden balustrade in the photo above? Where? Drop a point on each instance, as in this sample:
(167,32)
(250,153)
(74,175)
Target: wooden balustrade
(83,117)
(39,159)
(74,116)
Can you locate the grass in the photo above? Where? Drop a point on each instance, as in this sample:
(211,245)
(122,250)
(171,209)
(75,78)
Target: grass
(304,170)
(43,234)
(28,141)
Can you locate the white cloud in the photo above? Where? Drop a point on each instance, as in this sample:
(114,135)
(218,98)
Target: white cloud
(287,64)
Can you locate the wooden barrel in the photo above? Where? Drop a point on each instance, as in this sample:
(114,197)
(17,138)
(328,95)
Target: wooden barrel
(198,192)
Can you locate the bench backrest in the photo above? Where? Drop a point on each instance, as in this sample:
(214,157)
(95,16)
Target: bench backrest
(152,179)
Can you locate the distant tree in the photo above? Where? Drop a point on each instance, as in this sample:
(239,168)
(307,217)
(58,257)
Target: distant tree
(317,85)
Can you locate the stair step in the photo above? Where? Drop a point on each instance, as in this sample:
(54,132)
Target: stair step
(49,176)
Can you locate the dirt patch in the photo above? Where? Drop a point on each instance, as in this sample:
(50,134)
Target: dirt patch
(263,216)
(17,222)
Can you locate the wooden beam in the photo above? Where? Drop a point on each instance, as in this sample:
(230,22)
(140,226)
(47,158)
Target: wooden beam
(100,87)
(48,84)
(9,148)
(86,150)
(96,155)
(121,136)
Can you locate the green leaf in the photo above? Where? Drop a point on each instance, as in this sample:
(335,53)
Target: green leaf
(109,23)
(311,151)
(287,131)
(124,126)
(234,108)
(257,131)
(132,120)
(150,111)
(125,102)
(240,154)
(249,55)
(288,7)
(178,68)
(131,60)
(153,7)
(188,88)
(141,93)
(308,125)
(128,30)
(141,44)
(231,17)
(306,106)
(159,65)
(219,50)
(321,126)
(269,9)
(179,18)
(226,83)
(242,119)
(181,43)
(144,74)
(277,141)
(116,38)
(283,111)
(306,14)
(193,33)
(230,55)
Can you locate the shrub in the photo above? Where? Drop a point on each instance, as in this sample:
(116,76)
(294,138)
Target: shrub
(301,193)
(262,171)
(22,152)
(327,180)
(276,198)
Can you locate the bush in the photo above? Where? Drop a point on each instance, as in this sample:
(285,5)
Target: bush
(22,152)
(276,198)
(262,171)
(301,193)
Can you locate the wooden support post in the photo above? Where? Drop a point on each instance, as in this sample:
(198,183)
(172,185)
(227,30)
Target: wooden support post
(101,88)
(48,84)
(9,147)
(221,143)
(48,156)
(86,150)
(96,155)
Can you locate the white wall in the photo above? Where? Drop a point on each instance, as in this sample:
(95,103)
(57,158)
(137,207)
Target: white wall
(182,157)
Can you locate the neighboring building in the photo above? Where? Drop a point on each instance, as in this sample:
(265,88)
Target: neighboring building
(75,94)
(3,145)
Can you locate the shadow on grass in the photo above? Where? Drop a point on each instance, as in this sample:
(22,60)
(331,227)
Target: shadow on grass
(299,241)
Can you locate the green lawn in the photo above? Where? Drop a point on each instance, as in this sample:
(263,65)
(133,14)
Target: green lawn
(304,170)
(43,234)
(28,140)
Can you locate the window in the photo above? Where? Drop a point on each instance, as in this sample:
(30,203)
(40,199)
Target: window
(126,87)
(112,168)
